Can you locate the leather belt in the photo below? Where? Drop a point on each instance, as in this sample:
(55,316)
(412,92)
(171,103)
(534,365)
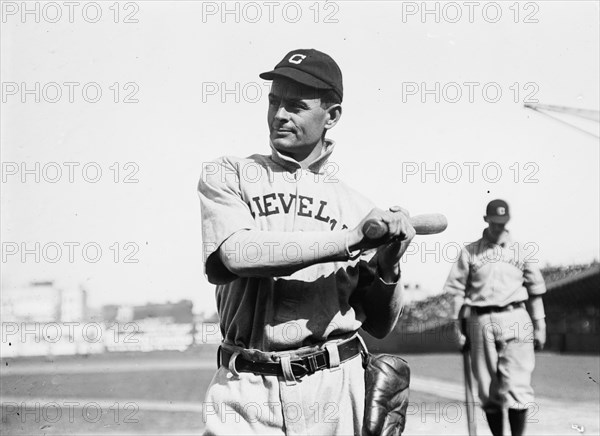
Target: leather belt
(492,309)
(301,366)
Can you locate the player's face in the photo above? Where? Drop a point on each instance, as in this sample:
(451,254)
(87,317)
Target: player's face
(296,118)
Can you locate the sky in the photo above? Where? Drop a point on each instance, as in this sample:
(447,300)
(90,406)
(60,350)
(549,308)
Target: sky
(433,120)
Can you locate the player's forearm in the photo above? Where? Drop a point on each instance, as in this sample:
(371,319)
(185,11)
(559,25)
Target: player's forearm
(382,304)
(535,307)
(255,253)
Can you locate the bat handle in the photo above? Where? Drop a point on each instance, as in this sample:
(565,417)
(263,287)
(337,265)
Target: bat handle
(374,229)
(427,224)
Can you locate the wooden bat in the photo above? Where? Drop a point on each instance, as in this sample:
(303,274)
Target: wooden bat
(470,402)
(426,224)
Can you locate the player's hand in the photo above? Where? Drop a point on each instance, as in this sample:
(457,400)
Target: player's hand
(398,226)
(394,243)
(400,234)
(539,334)
(462,341)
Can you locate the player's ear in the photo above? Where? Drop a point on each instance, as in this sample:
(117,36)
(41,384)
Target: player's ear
(334,113)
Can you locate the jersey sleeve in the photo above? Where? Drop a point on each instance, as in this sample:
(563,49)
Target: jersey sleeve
(533,279)
(457,280)
(224,212)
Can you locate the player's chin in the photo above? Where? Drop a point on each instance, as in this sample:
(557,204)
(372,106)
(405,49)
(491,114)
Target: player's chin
(284,143)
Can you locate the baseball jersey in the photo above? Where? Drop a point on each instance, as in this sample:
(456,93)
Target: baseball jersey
(493,274)
(273,193)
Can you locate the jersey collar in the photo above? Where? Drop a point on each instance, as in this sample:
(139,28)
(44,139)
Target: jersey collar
(316,166)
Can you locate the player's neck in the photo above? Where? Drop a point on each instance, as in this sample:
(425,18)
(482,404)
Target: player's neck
(499,238)
(306,159)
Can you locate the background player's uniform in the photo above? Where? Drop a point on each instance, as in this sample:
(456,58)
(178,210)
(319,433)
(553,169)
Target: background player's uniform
(260,316)
(495,279)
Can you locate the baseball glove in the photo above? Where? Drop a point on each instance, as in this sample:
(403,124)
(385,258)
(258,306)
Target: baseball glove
(386,395)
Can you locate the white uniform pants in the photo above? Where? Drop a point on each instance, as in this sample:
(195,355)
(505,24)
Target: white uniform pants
(503,358)
(328,402)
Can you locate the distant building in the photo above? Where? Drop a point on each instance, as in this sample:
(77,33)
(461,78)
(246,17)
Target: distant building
(178,313)
(43,318)
(152,327)
(43,302)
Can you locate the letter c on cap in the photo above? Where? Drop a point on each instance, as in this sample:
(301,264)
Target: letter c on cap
(297,58)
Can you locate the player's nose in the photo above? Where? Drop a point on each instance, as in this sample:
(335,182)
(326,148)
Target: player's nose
(282,114)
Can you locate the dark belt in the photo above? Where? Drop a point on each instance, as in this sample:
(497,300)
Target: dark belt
(492,309)
(308,364)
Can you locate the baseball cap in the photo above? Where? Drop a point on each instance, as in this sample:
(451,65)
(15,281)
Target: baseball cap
(309,67)
(497,211)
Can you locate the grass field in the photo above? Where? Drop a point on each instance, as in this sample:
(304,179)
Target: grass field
(162,393)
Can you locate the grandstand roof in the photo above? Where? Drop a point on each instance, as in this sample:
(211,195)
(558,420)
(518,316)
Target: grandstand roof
(576,289)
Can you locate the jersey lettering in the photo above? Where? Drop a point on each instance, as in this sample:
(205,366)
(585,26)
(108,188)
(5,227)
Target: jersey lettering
(257,201)
(303,206)
(320,217)
(286,207)
(267,205)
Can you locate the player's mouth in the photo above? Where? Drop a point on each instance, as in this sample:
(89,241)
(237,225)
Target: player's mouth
(283,132)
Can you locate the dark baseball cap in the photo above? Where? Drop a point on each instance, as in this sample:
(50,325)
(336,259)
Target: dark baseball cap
(497,211)
(309,67)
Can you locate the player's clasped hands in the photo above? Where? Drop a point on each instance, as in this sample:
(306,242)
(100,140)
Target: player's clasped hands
(392,245)
(399,229)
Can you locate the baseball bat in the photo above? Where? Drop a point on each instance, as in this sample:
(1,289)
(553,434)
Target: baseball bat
(470,402)
(426,224)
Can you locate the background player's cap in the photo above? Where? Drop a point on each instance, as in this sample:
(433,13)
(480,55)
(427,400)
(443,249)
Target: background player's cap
(309,67)
(497,211)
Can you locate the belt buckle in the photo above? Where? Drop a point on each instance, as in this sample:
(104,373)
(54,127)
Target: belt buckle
(312,364)
(299,370)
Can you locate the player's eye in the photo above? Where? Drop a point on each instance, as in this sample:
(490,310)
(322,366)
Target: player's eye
(295,105)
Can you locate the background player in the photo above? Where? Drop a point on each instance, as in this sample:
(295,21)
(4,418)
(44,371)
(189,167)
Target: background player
(496,280)
(286,249)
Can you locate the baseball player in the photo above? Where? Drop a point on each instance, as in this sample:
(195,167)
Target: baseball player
(502,287)
(295,276)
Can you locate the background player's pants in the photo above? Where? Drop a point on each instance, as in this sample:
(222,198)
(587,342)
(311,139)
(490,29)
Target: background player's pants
(328,402)
(503,358)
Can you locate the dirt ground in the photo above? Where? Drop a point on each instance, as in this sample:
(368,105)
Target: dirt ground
(162,393)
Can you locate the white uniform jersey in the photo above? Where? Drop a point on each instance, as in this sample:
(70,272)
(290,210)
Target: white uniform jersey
(272,193)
